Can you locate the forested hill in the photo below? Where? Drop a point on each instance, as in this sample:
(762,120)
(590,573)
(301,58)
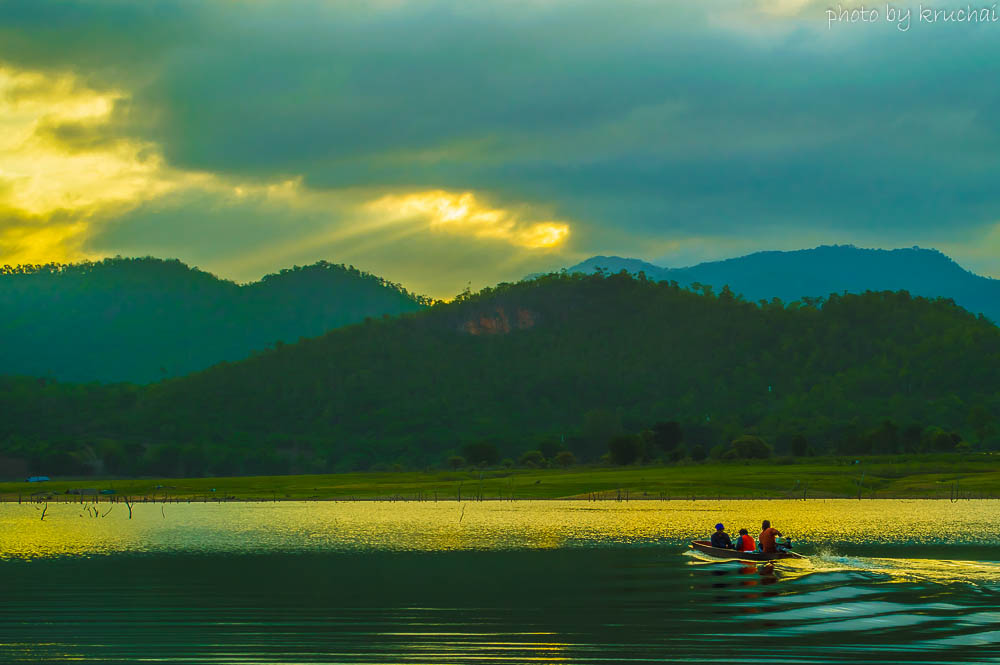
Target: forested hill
(824,270)
(146,319)
(561,361)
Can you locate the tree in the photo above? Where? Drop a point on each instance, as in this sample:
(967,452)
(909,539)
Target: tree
(601,423)
(751,447)
(911,437)
(668,435)
(800,445)
(646,445)
(938,440)
(565,458)
(982,421)
(705,434)
(456,462)
(698,452)
(550,447)
(884,438)
(624,449)
(482,453)
(533,458)
(850,441)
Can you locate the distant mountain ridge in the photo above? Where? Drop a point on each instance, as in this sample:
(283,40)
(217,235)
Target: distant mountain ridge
(564,361)
(818,272)
(146,319)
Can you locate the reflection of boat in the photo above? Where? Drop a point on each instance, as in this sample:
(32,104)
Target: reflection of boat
(706,547)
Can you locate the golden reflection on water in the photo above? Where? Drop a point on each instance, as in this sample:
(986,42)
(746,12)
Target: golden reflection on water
(69,529)
(478,646)
(909,569)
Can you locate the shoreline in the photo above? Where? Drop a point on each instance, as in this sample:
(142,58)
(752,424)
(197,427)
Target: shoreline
(123,500)
(945,477)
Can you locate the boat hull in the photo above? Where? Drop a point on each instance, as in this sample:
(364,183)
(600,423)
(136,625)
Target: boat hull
(705,547)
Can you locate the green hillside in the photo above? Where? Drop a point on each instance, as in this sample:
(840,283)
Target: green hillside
(561,362)
(142,320)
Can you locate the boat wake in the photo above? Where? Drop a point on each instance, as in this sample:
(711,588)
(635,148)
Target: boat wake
(881,609)
(940,571)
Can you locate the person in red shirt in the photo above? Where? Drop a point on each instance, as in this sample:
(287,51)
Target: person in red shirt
(768,536)
(745,542)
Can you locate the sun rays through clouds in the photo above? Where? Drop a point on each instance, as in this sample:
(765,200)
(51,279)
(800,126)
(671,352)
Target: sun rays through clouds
(463,213)
(75,184)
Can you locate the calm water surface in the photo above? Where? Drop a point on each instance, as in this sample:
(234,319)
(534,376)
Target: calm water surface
(523,582)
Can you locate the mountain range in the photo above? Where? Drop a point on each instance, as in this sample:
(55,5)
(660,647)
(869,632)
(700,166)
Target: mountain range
(566,360)
(142,320)
(824,270)
(147,319)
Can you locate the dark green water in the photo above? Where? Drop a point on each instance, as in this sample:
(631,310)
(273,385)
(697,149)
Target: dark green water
(579,605)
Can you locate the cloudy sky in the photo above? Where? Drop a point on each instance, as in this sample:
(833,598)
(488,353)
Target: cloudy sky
(440,143)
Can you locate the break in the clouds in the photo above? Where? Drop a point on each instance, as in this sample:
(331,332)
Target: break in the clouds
(439,143)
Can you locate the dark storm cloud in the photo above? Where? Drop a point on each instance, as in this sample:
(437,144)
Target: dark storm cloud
(655,118)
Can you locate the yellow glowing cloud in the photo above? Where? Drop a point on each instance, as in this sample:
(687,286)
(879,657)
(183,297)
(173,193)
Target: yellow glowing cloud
(980,253)
(463,214)
(786,7)
(52,193)
(40,177)
(66,172)
(40,242)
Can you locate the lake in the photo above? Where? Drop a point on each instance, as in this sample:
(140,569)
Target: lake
(505,582)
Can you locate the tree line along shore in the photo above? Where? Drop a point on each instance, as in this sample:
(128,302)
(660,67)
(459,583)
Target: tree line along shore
(942,476)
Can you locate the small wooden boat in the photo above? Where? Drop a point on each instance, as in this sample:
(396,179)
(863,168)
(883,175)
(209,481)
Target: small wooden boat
(705,547)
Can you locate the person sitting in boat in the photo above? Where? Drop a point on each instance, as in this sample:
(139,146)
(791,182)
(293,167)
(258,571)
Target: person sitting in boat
(784,545)
(720,538)
(766,541)
(745,542)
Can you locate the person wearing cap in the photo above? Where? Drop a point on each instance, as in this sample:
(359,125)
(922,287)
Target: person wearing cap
(720,538)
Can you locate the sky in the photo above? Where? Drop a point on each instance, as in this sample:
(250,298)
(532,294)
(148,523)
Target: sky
(444,144)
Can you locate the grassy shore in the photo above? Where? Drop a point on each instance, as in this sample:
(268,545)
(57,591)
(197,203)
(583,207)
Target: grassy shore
(911,476)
